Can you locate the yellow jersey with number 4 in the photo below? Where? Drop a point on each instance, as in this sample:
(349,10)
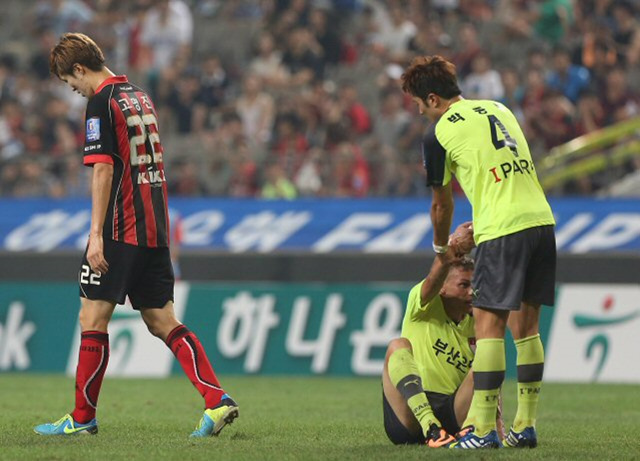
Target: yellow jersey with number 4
(440,346)
(482,144)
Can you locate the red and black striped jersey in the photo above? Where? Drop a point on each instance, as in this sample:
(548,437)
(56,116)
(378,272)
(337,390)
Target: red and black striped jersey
(122,129)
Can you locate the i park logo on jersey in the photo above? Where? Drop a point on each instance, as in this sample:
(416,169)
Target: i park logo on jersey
(507,169)
(93,129)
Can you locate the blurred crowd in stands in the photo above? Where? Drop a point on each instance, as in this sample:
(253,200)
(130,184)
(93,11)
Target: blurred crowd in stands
(295,98)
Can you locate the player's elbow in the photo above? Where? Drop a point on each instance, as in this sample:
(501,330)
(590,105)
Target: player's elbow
(441,209)
(442,197)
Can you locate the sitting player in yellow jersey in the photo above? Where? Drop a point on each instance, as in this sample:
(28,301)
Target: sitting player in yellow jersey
(426,379)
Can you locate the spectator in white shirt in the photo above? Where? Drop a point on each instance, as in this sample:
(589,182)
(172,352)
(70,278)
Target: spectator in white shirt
(257,111)
(396,38)
(483,82)
(167,33)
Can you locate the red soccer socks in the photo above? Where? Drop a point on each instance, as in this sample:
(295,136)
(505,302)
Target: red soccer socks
(92,364)
(193,359)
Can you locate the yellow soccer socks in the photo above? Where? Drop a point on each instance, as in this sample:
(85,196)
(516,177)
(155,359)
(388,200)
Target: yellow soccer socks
(530,363)
(488,375)
(405,376)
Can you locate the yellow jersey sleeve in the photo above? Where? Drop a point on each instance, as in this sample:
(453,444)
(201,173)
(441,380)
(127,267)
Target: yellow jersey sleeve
(415,310)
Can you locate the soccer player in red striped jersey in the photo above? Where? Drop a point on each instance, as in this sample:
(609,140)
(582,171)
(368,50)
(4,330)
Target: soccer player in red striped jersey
(128,249)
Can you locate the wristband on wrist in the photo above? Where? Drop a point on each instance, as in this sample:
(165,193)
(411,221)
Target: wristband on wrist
(440,249)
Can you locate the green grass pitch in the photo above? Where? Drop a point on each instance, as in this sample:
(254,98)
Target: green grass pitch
(292,419)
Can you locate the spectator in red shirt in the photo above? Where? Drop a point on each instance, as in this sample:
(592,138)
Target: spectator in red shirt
(355,111)
(350,172)
(290,146)
(618,101)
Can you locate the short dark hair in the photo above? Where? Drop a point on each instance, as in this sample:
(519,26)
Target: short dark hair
(75,48)
(431,74)
(465,264)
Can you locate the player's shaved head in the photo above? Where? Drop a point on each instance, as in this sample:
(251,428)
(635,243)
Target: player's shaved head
(431,74)
(75,48)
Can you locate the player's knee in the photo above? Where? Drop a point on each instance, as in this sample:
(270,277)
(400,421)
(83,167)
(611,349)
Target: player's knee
(490,323)
(160,326)
(520,330)
(90,322)
(525,322)
(154,328)
(398,343)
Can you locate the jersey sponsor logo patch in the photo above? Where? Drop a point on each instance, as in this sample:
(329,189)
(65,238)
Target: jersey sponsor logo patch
(151,177)
(93,129)
(521,166)
(93,147)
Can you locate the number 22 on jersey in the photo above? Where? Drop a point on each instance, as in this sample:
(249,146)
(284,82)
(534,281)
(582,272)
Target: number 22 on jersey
(147,126)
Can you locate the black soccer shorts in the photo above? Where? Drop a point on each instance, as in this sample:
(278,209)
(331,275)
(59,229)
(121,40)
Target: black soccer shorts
(144,274)
(443,409)
(514,268)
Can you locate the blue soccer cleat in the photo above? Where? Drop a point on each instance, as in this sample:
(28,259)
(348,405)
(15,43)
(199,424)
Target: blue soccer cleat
(67,426)
(468,440)
(216,418)
(528,438)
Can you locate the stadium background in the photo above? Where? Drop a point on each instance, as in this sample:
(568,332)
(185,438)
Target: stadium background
(295,174)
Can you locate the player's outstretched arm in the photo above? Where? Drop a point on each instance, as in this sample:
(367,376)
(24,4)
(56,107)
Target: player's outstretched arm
(441,213)
(460,243)
(432,285)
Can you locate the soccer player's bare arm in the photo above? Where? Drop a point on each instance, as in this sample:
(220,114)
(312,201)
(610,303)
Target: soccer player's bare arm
(100,193)
(432,284)
(438,178)
(460,243)
(441,213)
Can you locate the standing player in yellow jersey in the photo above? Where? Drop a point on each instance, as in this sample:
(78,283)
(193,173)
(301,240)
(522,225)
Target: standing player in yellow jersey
(483,145)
